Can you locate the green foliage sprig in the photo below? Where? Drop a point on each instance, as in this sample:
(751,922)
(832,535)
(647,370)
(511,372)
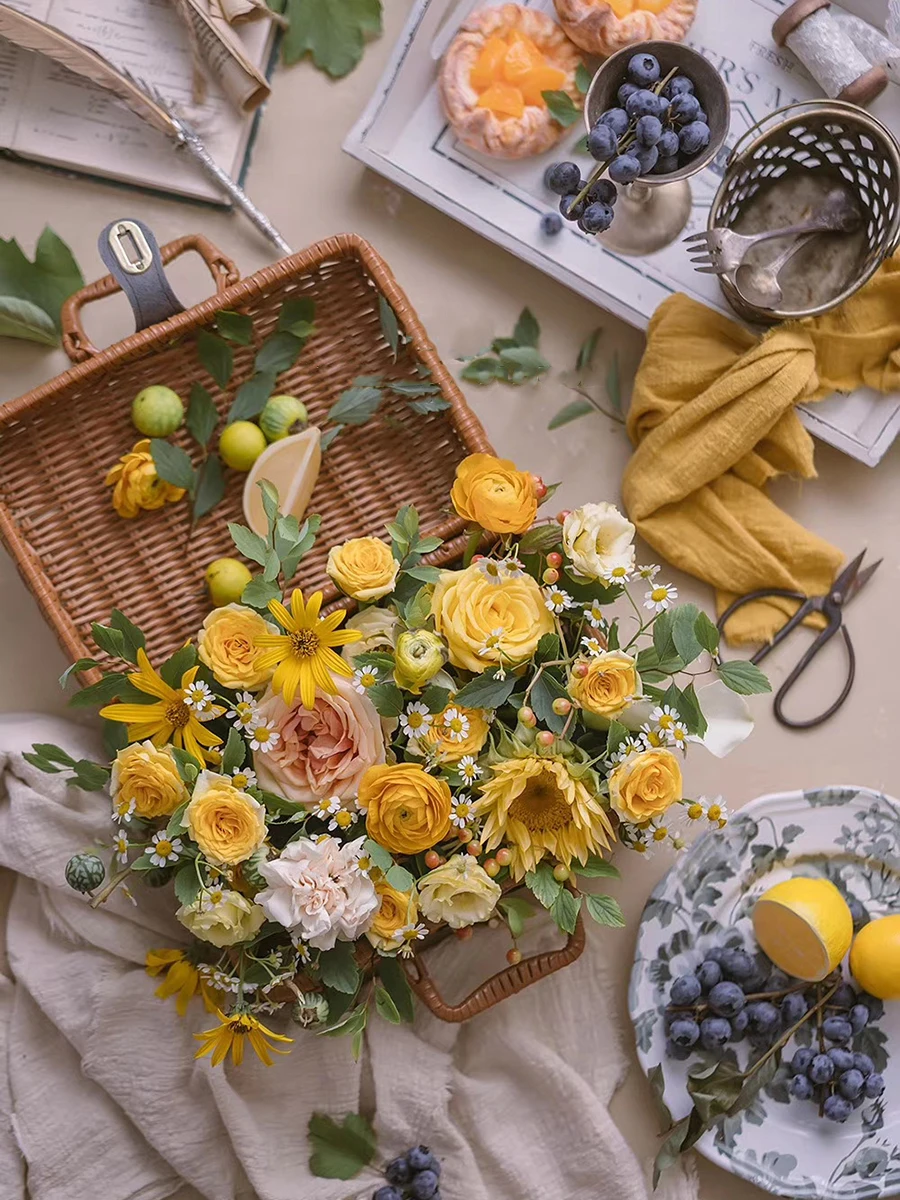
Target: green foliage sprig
(32,293)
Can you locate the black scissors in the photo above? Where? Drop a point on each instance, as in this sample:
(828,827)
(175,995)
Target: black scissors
(831,606)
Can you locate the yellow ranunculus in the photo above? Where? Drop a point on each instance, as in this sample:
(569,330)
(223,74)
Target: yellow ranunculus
(495,494)
(488,622)
(222,918)
(408,810)
(396,910)
(645,785)
(363,568)
(136,484)
(227,824)
(458,893)
(146,776)
(464,731)
(226,645)
(609,686)
(418,658)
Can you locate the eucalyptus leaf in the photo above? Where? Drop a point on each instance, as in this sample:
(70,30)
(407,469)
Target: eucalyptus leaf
(571,412)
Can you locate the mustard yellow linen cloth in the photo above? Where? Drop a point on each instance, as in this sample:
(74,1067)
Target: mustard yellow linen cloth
(713,419)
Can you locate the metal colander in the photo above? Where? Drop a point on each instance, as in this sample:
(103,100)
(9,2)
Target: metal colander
(781,169)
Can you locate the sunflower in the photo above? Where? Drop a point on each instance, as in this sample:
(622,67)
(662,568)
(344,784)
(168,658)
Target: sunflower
(182,980)
(170,718)
(228,1038)
(303,656)
(536,807)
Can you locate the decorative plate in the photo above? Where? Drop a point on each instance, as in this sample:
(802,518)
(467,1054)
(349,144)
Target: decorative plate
(849,835)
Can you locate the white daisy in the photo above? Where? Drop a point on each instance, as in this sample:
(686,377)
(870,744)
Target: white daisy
(264,738)
(653,737)
(165,850)
(593,646)
(416,721)
(304,954)
(648,572)
(245,713)
(469,768)
(494,571)
(324,809)
(594,615)
(342,820)
(678,735)
(212,899)
(513,568)
(660,597)
(644,849)
(630,745)
(198,695)
(462,810)
(665,716)
(123,808)
(456,724)
(243,778)
(364,864)
(207,710)
(364,678)
(411,934)
(556,600)
(620,573)
(120,847)
(492,643)
(717,812)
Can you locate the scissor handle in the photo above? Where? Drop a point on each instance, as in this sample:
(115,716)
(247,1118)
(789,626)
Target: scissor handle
(821,641)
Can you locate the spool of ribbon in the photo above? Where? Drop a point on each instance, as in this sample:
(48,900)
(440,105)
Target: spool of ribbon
(827,49)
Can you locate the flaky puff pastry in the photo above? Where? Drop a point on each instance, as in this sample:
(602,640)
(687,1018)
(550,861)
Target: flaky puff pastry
(598,27)
(504,137)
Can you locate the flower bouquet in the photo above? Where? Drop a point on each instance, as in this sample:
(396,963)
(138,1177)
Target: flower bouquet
(322,794)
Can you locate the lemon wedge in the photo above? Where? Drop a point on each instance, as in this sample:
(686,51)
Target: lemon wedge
(804,925)
(875,958)
(291,465)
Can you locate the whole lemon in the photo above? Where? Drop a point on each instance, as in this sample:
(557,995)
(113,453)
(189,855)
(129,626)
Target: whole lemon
(226,579)
(804,925)
(875,958)
(241,444)
(280,415)
(157,411)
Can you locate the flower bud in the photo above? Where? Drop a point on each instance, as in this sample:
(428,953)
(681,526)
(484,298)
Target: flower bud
(419,657)
(562,707)
(550,575)
(561,517)
(540,488)
(554,559)
(514,957)
(561,872)
(527,718)
(546,738)
(309,1009)
(492,867)
(503,856)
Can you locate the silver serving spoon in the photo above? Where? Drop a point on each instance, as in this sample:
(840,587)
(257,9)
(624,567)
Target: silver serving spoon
(758,284)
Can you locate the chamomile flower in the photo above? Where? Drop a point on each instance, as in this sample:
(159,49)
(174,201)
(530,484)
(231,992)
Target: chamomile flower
(513,568)
(304,954)
(197,694)
(264,738)
(678,735)
(649,572)
(556,600)
(594,615)
(653,737)
(245,713)
(342,820)
(462,810)
(208,710)
(627,747)
(717,813)
(416,721)
(325,809)
(493,571)
(593,646)
(120,847)
(411,934)
(469,769)
(243,778)
(620,573)
(123,808)
(492,643)
(660,597)
(644,848)
(211,899)
(165,851)
(457,725)
(363,679)
(364,864)
(665,717)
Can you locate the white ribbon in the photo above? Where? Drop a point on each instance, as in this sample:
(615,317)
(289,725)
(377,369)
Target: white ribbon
(882,49)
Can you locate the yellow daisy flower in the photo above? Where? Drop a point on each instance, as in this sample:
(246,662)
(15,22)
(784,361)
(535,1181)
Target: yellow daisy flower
(170,719)
(182,980)
(303,656)
(228,1038)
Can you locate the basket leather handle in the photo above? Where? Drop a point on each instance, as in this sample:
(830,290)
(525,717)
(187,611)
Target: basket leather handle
(75,341)
(500,986)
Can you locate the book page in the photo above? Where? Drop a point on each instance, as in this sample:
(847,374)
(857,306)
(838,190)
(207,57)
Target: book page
(66,121)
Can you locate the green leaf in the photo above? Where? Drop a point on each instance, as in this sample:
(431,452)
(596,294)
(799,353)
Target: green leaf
(542,884)
(389,325)
(398,877)
(686,643)
(387,698)
(235,753)
(410,389)
(210,487)
(546,689)
(43,284)
(431,404)
(356,405)
(586,353)
(486,691)
(715,1089)
(173,668)
(251,396)
(104,691)
(202,416)
(110,641)
(540,539)
(333,32)
(258,593)
(250,544)
(605,911)
(657,1081)
(83,664)
(306,538)
(272,567)
(523,361)
(187,884)
(614,384)
(380,857)
(297,314)
(482,370)
(172,464)
(615,736)
(565,910)
(338,968)
(503,343)
(329,437)
(397,986)
(687,704)
(435,698)
(278,353)
(571,412)
(235,326)
(562,108)
(24,320)
(742,677)
(583,78)
(517,913)
(270,503)
(548,648)
(527,331)
(54,754)
(340,1151)
(386,1007)
(706,633)
(216,356)
(91,777)
(134,638)
(596,868)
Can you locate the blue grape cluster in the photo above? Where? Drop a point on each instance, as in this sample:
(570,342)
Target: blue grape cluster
(415,1175)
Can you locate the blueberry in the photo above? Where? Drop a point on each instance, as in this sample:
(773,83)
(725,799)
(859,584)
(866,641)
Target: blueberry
(777,980)
(551,224)
(616,119)
(563,178)
(836,1029)
(764,1017)
(858,912)
(684,1032)
(569,209)
(666,166)
(859,1017)
(793,1007)
(648,131)
(626,91)
(863,1063)
(679,1053)
(424,1185)
(821,1069)
(662,107)
(717,954)
(726,999)
(597,218)
(642,104)
(387,1193)
(678,86)
(842,1059)
(669,144)
(714,1032)
(647,158)
(844,997)
(420,1158)
(836,1108)
(624,169)
(685,990)
(684,108)
(709,973)
(695,137)
(737,965)
(739,1025)
(602,143)
(801,1060)
(850,1084)
(801,1088)
(604,191)
(874,1086)
(644,70)
(701,116)
(398,1171)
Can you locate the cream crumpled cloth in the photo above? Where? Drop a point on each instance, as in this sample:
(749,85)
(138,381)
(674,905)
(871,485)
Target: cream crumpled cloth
(100,1092)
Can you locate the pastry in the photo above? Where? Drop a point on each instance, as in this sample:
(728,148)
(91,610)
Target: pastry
(604,26)
(493,75)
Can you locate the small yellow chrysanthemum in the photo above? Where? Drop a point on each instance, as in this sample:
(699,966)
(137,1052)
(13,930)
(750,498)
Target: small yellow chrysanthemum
(137,486)
(182,980)
(170,718)
(228,1038)
(303,656)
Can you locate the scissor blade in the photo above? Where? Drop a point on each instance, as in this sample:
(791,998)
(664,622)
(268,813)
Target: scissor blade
(861,580)
(846,578)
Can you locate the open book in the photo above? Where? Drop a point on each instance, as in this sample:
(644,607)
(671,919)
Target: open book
(50,116)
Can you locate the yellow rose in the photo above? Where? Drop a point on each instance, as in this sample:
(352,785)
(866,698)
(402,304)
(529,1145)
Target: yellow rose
(136,484)
(408,810)
(457,732)
(147,777)
(459,893)
(222,918)
(226,644)
(645,785)
(606,684)
(363,568)
(396,910)
(495,494)
(227,824)
(487,622)
(419,657)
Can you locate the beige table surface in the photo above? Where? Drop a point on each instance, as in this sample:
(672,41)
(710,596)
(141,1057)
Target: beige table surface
(467,290)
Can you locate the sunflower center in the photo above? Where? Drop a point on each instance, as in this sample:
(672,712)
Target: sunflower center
(178,714)
(541,807)
(305,643)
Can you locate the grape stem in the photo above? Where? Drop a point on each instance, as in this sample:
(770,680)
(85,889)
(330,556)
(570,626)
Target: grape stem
(702,1005)
(786,1037)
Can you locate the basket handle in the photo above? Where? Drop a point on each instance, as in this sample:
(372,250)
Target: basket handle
(75,341)
(500,986)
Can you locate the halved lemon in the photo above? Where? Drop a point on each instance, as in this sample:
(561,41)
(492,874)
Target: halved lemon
(291,465)
(804,925)
(875,958)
